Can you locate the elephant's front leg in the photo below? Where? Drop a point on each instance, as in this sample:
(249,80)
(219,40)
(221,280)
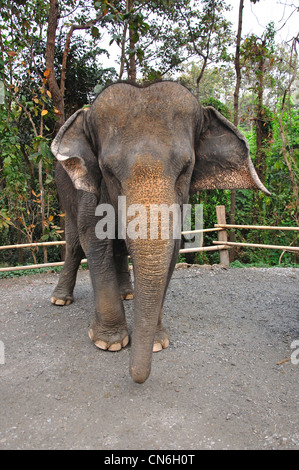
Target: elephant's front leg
(109,329)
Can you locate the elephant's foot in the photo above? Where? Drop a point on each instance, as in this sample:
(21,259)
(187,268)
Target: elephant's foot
(126,290)
(60,297)
(161,340)
(127,295)
(114,341)
(125,286)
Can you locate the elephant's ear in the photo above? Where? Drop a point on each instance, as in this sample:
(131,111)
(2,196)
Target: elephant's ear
(73,150)
(222,158)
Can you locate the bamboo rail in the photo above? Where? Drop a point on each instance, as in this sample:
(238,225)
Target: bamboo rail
(217,229)
(62,242)
(203,248)
(84,261)
(257,245)
(36,266)
(30,245)
(222,244)
(225,242)
(61,263)
(256,227)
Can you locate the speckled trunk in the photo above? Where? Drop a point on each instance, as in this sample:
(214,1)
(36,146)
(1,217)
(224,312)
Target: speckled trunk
(149,186)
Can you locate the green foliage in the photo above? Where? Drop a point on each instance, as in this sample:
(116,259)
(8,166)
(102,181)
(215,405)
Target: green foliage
(28,197)
(84,72)
(165,33)
(217,104)
(278,210)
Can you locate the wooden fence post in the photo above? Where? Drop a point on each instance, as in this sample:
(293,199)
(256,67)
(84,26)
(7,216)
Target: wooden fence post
(222,236)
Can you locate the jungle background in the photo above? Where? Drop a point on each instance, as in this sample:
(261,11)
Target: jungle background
(52,62)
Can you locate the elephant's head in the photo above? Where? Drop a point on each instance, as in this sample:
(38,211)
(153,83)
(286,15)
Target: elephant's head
(154,145)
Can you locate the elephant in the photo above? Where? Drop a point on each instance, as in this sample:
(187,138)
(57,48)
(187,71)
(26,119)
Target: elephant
(152,144)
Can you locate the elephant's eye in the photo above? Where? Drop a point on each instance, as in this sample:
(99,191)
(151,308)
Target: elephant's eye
(184,168)
(109,174)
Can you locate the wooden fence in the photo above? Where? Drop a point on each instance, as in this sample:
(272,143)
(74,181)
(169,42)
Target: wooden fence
(222,244)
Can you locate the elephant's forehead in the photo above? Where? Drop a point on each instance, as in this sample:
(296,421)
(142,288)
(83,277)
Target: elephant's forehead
(162,92)
(161,104)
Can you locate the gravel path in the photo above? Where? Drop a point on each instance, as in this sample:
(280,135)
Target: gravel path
(226,381)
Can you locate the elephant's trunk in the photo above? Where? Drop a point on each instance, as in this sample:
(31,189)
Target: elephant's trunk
(152,253)
(151,262)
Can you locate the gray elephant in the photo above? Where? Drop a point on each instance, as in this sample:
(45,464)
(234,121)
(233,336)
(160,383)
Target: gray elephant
(153,145)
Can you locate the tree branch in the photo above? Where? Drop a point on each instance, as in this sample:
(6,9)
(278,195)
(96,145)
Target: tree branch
(50,50)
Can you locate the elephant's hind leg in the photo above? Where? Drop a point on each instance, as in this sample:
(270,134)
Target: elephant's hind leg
(122,270)
(63,293)
(161,340)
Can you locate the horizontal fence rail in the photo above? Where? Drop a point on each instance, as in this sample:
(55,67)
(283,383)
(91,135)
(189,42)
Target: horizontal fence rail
(256,227)
(222,244)
(32,245)
(225,226)
(36,266)
(258,245)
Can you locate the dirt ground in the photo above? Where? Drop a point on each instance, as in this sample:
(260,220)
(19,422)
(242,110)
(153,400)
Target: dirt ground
(227,381)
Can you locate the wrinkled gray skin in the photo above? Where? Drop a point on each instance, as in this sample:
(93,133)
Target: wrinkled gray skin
(154,145)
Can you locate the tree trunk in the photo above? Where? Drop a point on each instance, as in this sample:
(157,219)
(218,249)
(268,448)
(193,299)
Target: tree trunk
(123,52)
(132,61)
(237,65)
(261,128)
(286,155)
(232,235)
(19,241)
(50,50)
(132,58)
(262,131)
(42,205)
